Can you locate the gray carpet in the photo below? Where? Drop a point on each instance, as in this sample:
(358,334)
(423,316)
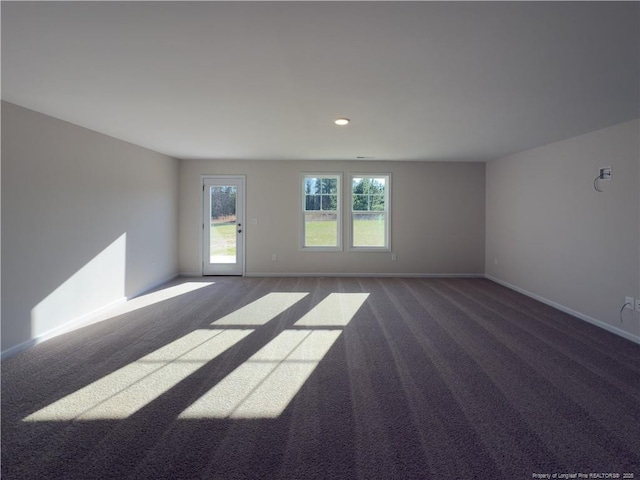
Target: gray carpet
(291,378)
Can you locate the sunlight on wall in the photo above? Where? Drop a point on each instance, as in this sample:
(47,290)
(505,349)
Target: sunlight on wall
(100,282)
(265,384)
(262,310)
(125,391)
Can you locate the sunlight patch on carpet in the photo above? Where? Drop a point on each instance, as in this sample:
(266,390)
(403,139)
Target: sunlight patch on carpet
(125,391)
(264,385)
(336,310)
(262,310)
(164,294)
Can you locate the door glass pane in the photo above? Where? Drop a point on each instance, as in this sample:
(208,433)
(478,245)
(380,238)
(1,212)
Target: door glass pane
(222,228)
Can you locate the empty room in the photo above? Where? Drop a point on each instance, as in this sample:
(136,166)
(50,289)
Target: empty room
(331,240)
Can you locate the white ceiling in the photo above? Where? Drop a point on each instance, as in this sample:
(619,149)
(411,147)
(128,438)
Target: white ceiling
(264,80)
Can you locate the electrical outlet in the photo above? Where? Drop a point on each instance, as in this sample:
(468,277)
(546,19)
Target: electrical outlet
(629,303)
(394,257)
(605,173)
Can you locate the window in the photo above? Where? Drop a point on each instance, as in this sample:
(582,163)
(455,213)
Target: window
(370,212)
(321,212)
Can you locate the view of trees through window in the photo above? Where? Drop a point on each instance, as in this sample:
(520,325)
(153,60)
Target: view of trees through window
(223,203)
(321,194)
(369,212)
(223,224)
(321,216)
(368,194)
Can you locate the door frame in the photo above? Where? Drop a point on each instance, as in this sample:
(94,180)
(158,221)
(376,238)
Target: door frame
(242,210)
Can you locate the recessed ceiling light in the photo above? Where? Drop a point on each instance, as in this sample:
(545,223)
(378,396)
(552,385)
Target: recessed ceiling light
(341,121)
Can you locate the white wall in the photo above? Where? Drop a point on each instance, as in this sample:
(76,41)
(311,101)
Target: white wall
(437,216)
(86,221)
(555,237)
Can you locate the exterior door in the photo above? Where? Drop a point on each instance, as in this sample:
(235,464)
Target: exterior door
(223,225)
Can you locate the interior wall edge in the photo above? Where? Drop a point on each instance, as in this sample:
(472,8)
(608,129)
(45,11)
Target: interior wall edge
(74,324)
(82,321)
(570,311)
(154,285)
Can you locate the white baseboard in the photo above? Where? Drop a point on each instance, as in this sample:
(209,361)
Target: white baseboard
(81,321)
(364,275)
(570,311)
(156,284)
(66,327)
(190,274)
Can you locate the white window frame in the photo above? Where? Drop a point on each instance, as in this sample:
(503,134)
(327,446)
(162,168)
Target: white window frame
(338,212)
(386,212)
